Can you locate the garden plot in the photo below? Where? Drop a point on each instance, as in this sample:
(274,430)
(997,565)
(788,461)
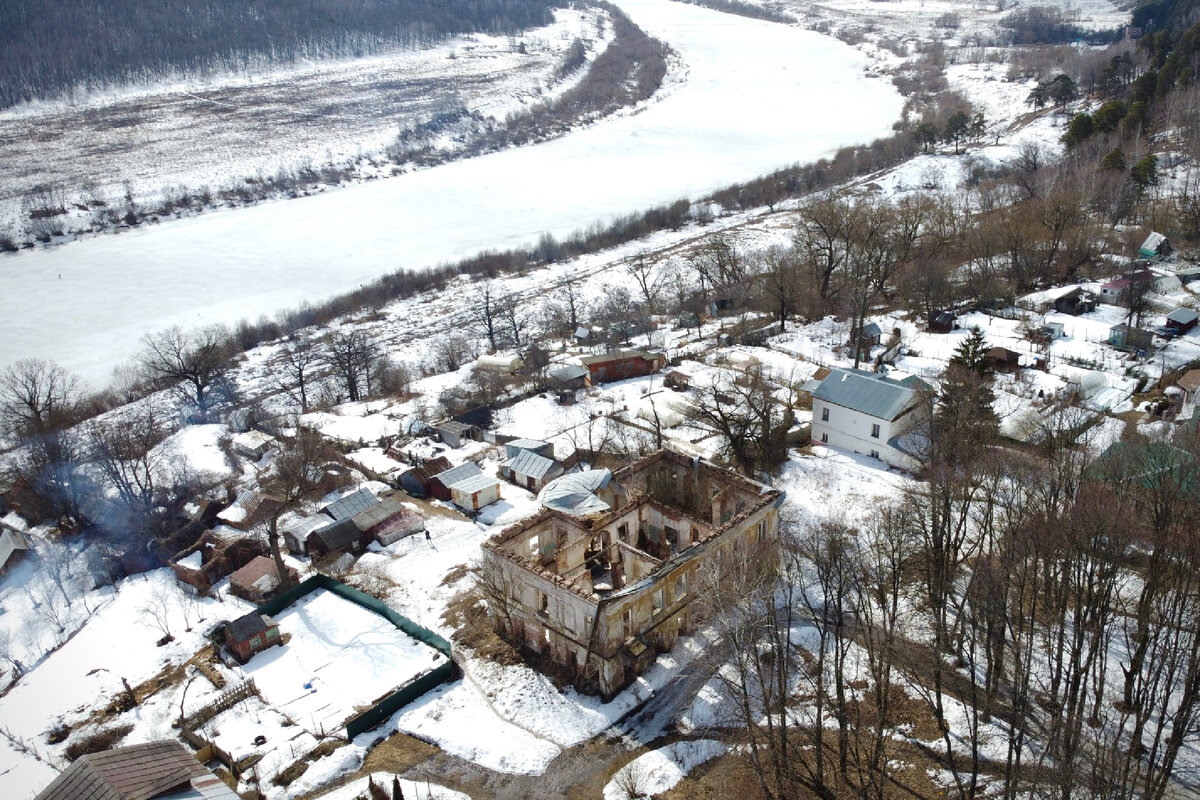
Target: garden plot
(341,658)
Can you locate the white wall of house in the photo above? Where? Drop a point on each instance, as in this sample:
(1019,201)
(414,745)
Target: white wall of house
(846,429)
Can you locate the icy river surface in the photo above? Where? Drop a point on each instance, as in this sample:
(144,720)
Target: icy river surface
(747,97)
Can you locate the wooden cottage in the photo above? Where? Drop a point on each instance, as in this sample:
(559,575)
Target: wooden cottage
(439,485)
(1180,321)
(1075,302)
(251,634)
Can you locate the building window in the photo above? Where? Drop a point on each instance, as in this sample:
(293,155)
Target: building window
(825,438)
(681,585)
(656,602)
(533,545)
(543,603)
(874,454)
(825,414)
(588,621)
(875,431)
(627,622)
(762,530)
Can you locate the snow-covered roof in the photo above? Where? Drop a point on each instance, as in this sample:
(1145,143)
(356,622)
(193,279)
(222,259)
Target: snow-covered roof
(193,560)
(575,493)
(866,392)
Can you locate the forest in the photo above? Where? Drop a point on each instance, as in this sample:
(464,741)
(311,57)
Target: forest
(50,47)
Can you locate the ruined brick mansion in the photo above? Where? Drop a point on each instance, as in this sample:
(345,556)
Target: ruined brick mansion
(606,574)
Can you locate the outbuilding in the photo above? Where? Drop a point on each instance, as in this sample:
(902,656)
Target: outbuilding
(1181,320)
(259,580)
(251,634)
(473,493)
(1127,337)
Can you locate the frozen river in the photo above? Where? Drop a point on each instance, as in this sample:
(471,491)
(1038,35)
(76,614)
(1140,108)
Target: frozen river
(750,97)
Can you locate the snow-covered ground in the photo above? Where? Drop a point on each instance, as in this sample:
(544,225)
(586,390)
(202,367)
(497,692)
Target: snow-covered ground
(214,131)
(341,657)
(741,102)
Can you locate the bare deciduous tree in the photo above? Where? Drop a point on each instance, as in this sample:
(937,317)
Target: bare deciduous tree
(193,363)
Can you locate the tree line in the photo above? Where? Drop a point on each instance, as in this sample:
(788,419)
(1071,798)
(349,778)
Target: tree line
(49,47)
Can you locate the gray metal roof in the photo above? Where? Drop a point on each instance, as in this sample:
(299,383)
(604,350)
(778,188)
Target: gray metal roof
(459,473)
(474,483)
(388,507)
(248,625)
(11,541)
(871,329)
(568,372)
(866,392)
(352,504)
(1183,316)
(529,463)
(526,444)
(575,493)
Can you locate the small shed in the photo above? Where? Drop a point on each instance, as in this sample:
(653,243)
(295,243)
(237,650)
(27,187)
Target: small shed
(389,521)
(1127,337)
(439,485)
(1190,383)
(473,493)
(567,376)
(501,364)
(342,536)
(1181,320)
(619,365)
(1075,302)
(544,449)
(259,581)
(456,434)
(295,534)
(251,634)
(530,470)
(942,321)
(14,546)
(253,444)
(1004,360)
(415,481)
(1155,245)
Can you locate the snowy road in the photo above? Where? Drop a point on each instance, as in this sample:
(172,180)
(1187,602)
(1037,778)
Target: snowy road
(751,96)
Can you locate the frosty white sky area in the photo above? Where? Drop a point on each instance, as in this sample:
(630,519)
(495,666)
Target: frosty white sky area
(750,97)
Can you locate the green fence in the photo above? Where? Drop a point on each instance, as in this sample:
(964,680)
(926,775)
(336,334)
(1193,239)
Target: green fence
(390,704)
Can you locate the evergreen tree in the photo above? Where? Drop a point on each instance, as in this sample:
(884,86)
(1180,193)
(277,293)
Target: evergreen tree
(965,421)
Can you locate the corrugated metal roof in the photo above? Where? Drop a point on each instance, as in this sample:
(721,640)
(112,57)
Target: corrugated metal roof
(866,392)
(338,535)
(526,444)
(568,372)
(575,493)
(1183,316)
(352,504)
(459,473)
(474,484)
(530,464)
(389,506)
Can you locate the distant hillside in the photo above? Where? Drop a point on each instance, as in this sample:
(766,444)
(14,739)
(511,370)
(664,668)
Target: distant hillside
(49,46)
(1171,15)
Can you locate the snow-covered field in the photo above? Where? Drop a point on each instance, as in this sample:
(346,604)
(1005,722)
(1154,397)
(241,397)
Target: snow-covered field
(341,657)
(210,131)
(741,102)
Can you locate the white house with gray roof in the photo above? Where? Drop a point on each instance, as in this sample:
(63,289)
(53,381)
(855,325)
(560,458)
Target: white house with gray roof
(871,414)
